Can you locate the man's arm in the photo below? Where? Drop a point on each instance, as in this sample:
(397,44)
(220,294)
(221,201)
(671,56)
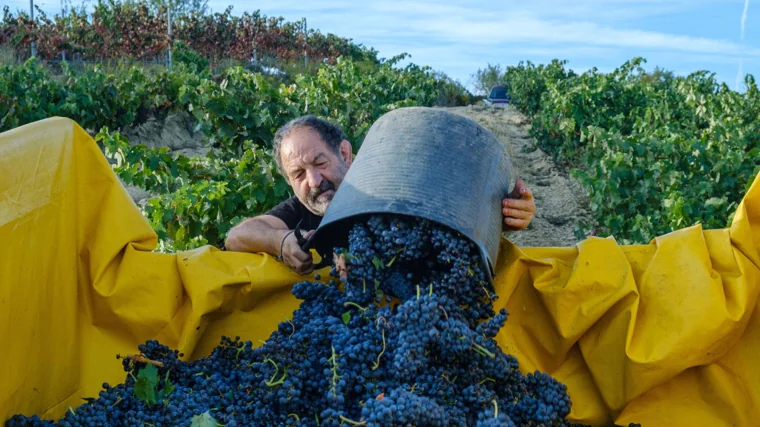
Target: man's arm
(265,233)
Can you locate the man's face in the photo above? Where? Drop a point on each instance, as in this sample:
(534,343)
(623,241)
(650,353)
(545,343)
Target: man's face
(313,170)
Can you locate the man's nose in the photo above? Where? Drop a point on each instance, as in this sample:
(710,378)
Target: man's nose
(315,178)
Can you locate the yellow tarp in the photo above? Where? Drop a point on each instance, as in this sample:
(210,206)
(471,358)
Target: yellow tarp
(661,334)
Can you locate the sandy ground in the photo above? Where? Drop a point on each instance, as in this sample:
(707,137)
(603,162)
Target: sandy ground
(561,202)
(176,131)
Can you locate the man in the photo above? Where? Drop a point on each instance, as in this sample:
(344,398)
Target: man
(314,155)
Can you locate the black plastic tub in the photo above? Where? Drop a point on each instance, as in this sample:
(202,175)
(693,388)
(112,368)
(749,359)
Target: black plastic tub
(426,163)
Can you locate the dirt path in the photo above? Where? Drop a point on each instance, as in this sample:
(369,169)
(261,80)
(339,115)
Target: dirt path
(560,200)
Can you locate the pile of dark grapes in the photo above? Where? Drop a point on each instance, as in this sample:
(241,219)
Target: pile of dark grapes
(403,337)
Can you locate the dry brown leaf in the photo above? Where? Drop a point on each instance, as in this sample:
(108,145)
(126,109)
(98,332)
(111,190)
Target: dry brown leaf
(340,265)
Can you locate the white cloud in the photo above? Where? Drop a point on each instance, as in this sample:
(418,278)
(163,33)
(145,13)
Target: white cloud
(492,23)
(524,30)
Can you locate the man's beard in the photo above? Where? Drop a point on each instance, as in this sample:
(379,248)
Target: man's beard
(317,204)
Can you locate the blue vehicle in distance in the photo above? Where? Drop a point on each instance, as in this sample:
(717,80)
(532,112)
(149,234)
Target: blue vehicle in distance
(498,96)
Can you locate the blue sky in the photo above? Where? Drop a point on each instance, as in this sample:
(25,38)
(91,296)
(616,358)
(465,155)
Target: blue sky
(458,37)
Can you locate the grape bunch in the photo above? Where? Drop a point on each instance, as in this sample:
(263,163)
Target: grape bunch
(402,336)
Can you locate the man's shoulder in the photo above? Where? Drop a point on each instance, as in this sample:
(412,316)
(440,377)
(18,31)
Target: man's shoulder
(291,202)
(291,211)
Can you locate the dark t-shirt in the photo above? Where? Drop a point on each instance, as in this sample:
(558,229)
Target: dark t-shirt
(291,211)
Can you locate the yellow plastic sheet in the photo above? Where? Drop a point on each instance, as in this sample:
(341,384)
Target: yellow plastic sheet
(661,334)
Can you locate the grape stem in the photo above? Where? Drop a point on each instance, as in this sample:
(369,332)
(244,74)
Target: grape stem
(495,408)
(352,422)
(482,350)
(238,351)
(142,359)
(293,326)
(444,312)
(272,382)
(335,378)
(377,363)
(487,293)
(379,318)
(446,377)
(392,259)
(349,303)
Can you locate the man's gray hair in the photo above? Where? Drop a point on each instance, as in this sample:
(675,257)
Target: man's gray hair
(330,133)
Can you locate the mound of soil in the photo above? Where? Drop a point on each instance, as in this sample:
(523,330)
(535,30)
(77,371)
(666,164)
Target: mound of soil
(176,131)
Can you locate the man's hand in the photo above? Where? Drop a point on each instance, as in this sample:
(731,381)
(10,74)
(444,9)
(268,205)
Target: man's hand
(518,208)
(294,257)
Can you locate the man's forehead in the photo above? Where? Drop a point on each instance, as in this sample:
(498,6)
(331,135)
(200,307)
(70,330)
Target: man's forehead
(303,145)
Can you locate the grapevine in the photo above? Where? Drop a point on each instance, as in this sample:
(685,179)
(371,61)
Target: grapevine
(655,152)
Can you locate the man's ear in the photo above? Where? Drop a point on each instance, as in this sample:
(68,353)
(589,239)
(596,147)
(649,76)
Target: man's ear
(346,152)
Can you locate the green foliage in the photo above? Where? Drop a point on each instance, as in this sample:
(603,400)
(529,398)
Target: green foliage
(97,98)
(182,53)
(92,97)
(488,77)
(527,82)
(204,420)
(655,152)
(147,389)
(27,94)
(570,105)
(243,105)
(198,200)
(451,93)
(354,99)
